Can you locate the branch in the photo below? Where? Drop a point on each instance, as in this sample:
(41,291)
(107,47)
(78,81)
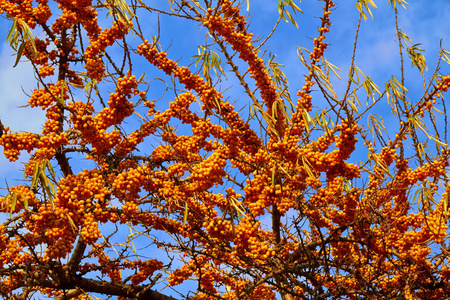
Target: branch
(102,287)
(69,295)
(77,254)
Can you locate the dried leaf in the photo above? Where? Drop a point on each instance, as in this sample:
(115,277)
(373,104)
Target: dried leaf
(186,212)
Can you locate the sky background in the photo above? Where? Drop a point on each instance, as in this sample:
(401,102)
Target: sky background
(424,21)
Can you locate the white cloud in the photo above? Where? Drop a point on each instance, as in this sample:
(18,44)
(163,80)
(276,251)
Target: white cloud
(14,83)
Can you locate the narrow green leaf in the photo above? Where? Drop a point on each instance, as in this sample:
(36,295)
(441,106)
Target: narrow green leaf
(25,203)
(36,172)
(19,54)
(13,203)
(11,38)
(416,194)
(50,168)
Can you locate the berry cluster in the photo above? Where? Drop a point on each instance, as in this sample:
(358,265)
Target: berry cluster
(94,64)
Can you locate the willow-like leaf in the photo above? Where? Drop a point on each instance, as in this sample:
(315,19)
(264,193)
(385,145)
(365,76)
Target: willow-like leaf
(19,54)
(25,203)
(217,104)
(428,195)
(21,29)
(308,167)
(209,60)
(446,205)
(352,104)
(346,185)
(273,176)
(364,4)
(355,71)
(142,78)
(371,88)
(324,79)
(237,205)
(402,35)
(130,239)
(418,123)
(72,224)
(421,150)
(307,119)
(333,68)
(124,10)
(186,212)
(372,173)
(394,91)
(283,12)
(416,57)
(35,177)
(13,203)
(381,164)
(196,3)
(90,85)
(444,54)
(401,2)
(60,99)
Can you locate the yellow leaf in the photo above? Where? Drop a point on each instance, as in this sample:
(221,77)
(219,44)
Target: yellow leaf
(186,212)
(72,224)
(13,202)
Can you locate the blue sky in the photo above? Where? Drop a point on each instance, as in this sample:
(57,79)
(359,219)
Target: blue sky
(424,22)
(377,52)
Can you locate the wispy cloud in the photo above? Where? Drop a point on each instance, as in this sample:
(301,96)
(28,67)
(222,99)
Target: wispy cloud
(14,82)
